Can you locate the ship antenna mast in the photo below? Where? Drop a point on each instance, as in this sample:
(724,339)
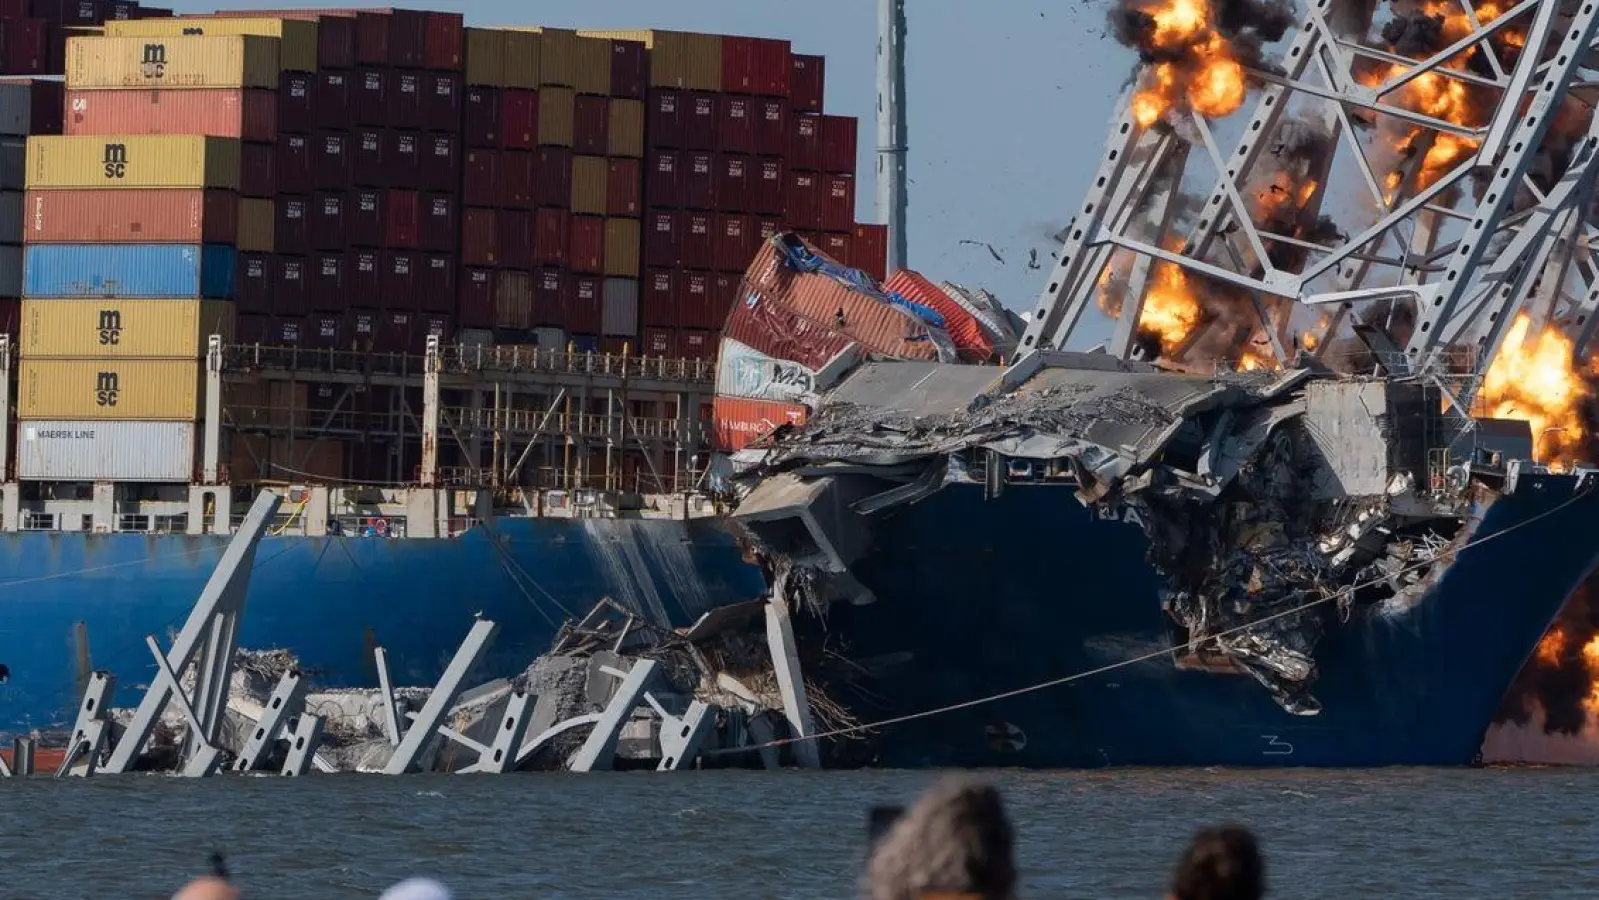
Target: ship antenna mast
(891,193)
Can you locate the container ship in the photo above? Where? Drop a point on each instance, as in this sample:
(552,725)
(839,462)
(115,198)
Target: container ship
(457,290)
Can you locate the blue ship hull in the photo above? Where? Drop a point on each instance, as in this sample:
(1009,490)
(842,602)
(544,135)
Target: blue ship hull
(991,596)
(331,599)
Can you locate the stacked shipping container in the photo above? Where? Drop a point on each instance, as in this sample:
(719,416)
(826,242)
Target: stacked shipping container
(33,33)
(27,106)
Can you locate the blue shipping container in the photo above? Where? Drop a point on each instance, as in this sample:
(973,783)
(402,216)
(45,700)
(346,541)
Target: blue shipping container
(584,343)
(129,270)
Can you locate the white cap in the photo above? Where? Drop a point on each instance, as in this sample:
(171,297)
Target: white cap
(417,889)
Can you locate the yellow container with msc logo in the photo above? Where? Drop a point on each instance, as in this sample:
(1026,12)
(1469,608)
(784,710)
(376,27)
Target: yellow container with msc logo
(189,61)
(122,329)
(165,390)
(297,37)
(133,161)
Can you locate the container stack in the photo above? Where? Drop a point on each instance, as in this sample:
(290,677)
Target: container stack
(34,33)
(27,106)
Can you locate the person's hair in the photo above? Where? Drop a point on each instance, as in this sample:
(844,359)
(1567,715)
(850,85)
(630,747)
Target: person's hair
(955,840)
(1220,863)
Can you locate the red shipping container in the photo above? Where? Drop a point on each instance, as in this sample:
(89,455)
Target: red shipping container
(694,300)
(771,127)
(591,126)
(291,227)
(333,106)
(369,98)
(766,192)
(325,282)
(445,39)
(766,229)
(696,344)
(440,233)
(431,325)
(552,177)
(618,346)
(320,331)
(480,178)
(479,242)
(252,283)
(480,117)
(738,422)
(296,102)
(701,124)
(623,197)
(659,342)
(736,131)
(363,274)
(408,38)
(697,180)
(586,250)
(47,103)
(658,298)
(402,153)
(836,246)
(773,65)
(838,144)
(549,298)
(405,101)
(519,119)
(252,328)
(290,289)
(630,69)
(664,115)
(838,204)
(661,239)
(724,293)
(441,102)
(516,240)
(328,227)
(371,39)
(475,297)
(404,226)
(517,181)
(435,288)
(583,304)
(738,64)
(963,328)
(440,168)
(661,184)
(249,114)
(369,157)
(733,177)
(358,332)
(26,46)
(391,334)
(697,243)
(807,86)
(735,243)
(869,250)
(331,161)
(335,41)
(365,214)
(803,205)
(397,275)
(293,169)
(805,143)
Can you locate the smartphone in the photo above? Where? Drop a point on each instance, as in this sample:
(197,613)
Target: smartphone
(880,819)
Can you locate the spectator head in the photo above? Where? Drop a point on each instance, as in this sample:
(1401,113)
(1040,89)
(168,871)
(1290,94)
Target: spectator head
(955,842)
(417,889)
(1220,864)
(208,888)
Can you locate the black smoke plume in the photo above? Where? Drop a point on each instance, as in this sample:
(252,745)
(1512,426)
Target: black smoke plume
(1246,25)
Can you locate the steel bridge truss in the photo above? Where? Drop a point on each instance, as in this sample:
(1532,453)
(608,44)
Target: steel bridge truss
(1471,250)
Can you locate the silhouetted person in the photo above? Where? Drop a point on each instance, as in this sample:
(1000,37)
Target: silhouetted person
(954,841)
(210,887)
(417,889)
(1220,864)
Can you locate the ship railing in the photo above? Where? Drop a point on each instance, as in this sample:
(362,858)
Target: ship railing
(593,425)
(254,357)
(528,358)
(310,420)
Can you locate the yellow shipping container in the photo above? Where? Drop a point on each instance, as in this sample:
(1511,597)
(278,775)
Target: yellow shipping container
(158,389)
(626,129)
(123,329)
(485,57)
(524,51)
(622,248)
(593,69)
(257,225)
(589,175)
(557,56)
(556,116)
(678,59)
(297,38)
(133,161)
(200,61)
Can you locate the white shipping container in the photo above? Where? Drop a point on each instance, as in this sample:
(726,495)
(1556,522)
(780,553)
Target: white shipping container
(10,271)
(550,339)
(475,337)
(619,314)
(106,451)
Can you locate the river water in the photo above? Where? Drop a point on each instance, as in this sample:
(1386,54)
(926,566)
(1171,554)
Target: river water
(1392,833)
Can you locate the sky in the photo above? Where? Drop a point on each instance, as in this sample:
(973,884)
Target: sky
(1008,104)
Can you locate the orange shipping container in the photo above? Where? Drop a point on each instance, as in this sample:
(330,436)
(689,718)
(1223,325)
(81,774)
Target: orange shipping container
(556,116)
(157,216)
(622,248)
(738,422)
(963,329)
(250,115)
(626,128)
(589,176)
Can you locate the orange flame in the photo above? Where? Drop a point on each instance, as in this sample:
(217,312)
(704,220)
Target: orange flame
(1213,81)
(1533,379)
(1171,311)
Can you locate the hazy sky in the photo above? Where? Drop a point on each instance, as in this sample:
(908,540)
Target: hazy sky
(1008,105)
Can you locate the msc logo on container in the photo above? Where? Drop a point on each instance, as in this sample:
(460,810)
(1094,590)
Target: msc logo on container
(154,64)
(106,389)
(110,328)
(116,160)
